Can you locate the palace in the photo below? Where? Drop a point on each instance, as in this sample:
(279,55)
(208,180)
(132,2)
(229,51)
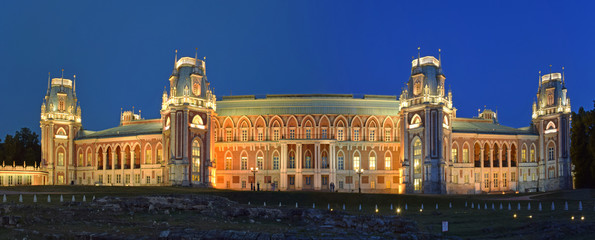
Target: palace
(413,143)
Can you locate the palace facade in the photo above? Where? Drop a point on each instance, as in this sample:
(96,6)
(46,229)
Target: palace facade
(413,143)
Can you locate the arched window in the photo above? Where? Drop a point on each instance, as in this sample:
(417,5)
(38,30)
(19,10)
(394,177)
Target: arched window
(532,154)
(496,156)
(486,155)
(551,154)
(196,158)
(372,161)
(417,156)
(80,159)
(356,161)
(340,161)
(148,155)
(504,155)
(197,120)
(244,163)
(477,155)
(324,163)
(454,154)
(524,154)
(466,153)
(275,161)
(513,157)
(228,162)
(89,158)
(60,158)
(291,160)
(260,162)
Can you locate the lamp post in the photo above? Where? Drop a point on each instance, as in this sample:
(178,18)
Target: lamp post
(359,172)
(254,170)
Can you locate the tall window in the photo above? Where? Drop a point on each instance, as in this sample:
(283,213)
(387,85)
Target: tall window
(244,163)
(387,163)
(260,135)
(259,162)
(291,133)
(356,162)
(417,184)
(291,160)
(159,155)
(504,184)
(195,156)
(455,154)
(324,161)
(495,180)
(417,156)
(276,135)
(487,180)
(148,154)
(356,135)
(80,162)
(340,134)
(523,155)
(228,135)
(387,135)
(532,154)
(89,158)
(341,162)
(372,135)
(228,163)
(550,154)
(308,162)
(372,162)
(324,134)
(60,159)
(465,154)
(308,133)
(244,135)
(275,162)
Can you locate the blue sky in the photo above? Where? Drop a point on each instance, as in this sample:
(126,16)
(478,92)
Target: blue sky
(122,51)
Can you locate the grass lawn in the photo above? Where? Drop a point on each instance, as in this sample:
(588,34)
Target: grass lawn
(463,221)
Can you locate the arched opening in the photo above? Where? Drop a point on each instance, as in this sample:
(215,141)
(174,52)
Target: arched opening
(486,155)
(196,154)
(110,158)
(127,158)
(513,158)
(356,161)
(466,153)
(137,156)
(477,155)
(307,161)
(372,161)
(148,155)
(324,161)
(340,161)
(118,158)
(455,153)
(504,155)
(275,160)
(496,156)
(291,160)
(100,159)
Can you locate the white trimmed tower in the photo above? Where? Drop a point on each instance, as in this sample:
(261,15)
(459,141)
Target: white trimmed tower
(186,117)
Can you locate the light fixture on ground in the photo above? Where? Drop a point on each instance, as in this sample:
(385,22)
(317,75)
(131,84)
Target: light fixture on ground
(359,172)
(254,171)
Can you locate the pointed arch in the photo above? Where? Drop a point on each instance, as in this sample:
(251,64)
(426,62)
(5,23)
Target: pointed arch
(118,157)
(465,152)
(61,131)
(227,164)
(275,156)
(276,121)
(197,120)
(324,121)
(307,160)
(244,119)
(372,160)
(357,161)
(524,152)
(158,153)
(324,160)
(292,121)
(88,156)
(416,119)
(356,121)
(477,154)
(306,119)
(260,122)
(513,155)
(496,155)
(454,152)
(388,158)
(340,120)
(260,160)
(291,159)
(340,160)
(372,121)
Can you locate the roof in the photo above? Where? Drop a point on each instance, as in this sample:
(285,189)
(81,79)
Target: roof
(125,130)
(469,125)
(308,104)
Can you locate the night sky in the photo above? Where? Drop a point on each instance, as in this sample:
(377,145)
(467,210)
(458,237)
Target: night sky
(123,51)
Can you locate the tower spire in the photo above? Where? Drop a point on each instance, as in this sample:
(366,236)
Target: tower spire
(196,57)
(49,76)
(550,72)
(539,78)
(418,56)
(74,85)
(439,57)
(563,81)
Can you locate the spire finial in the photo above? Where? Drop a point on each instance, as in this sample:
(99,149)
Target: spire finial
(49,76)
(74,83)
(439,57)
(563,82)
(196,57)
(550,72)
(539,78)
(418,55)
(175,58)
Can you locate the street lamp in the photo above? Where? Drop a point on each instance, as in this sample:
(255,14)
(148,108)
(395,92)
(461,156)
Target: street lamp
(254,170)
(359,172)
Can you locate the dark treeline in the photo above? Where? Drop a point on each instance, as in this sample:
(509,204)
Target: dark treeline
(582,150)
(22,147)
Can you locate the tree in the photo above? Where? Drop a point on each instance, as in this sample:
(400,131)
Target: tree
(582,149)
(22,147)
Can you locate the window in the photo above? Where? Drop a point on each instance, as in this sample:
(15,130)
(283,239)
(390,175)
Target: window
(387,135)
(195,156)
(341,183)
(80,161)
(487,180)
(324,136)
(551,173)
(512,177)
(137,178)
(417,156)
(454,154)
(466,179)
(100,178)
(1,180)
(534,176)
(127,179)
(60,179)
(9,180)
(308,162)
(60,159)
(372,184)
(372,162)
(466,155)
(276,135)
(550,154)
(228,163)
(372,135)
(477,178)
(324,161)
(386,163)
(340,134)
(291,161)
(454,178)
(260,135)
(291,133)
(118,178)
(504,180)
(275,162)
(243,184)
(524,177)
(308,180)
(356,163)
(244,135)
(228,135)
(148,181)
(244,163)
(356,135)
(89,159)
(532,154)
(259,162)
(158,179)
(341,162)
(417,184)
(148,154)
(159,155)
(308,133)
(109,178)
(524,155)
(19,180)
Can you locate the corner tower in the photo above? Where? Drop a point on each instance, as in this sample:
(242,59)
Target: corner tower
(186,117)
(60,122)
(551,119)
(426,114)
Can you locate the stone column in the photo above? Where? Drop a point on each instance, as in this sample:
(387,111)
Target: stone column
(113,172)
(131,167)
(283,167)
(317,177)
(333,166)
(104,171)
(298,169)
(481,159)
(509,167)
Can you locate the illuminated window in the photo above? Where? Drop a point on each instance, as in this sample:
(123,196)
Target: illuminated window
(466,155)
(417,156)
(523,155)
(60,159)
(196,160)
(80,161)
(340,134)
(89,159)
(148,154)
(417,184)
(356,135)
(340,162)
(372,135)
(387,135)
(454,154)
(324,135)
(244,135)
(228,163)
(60,179)
(466,179)
(275,162)
(356,162)
(159,155)
(259,162)
(372,162)
(387,163)
(276,135)
(291,133)
(244,163)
